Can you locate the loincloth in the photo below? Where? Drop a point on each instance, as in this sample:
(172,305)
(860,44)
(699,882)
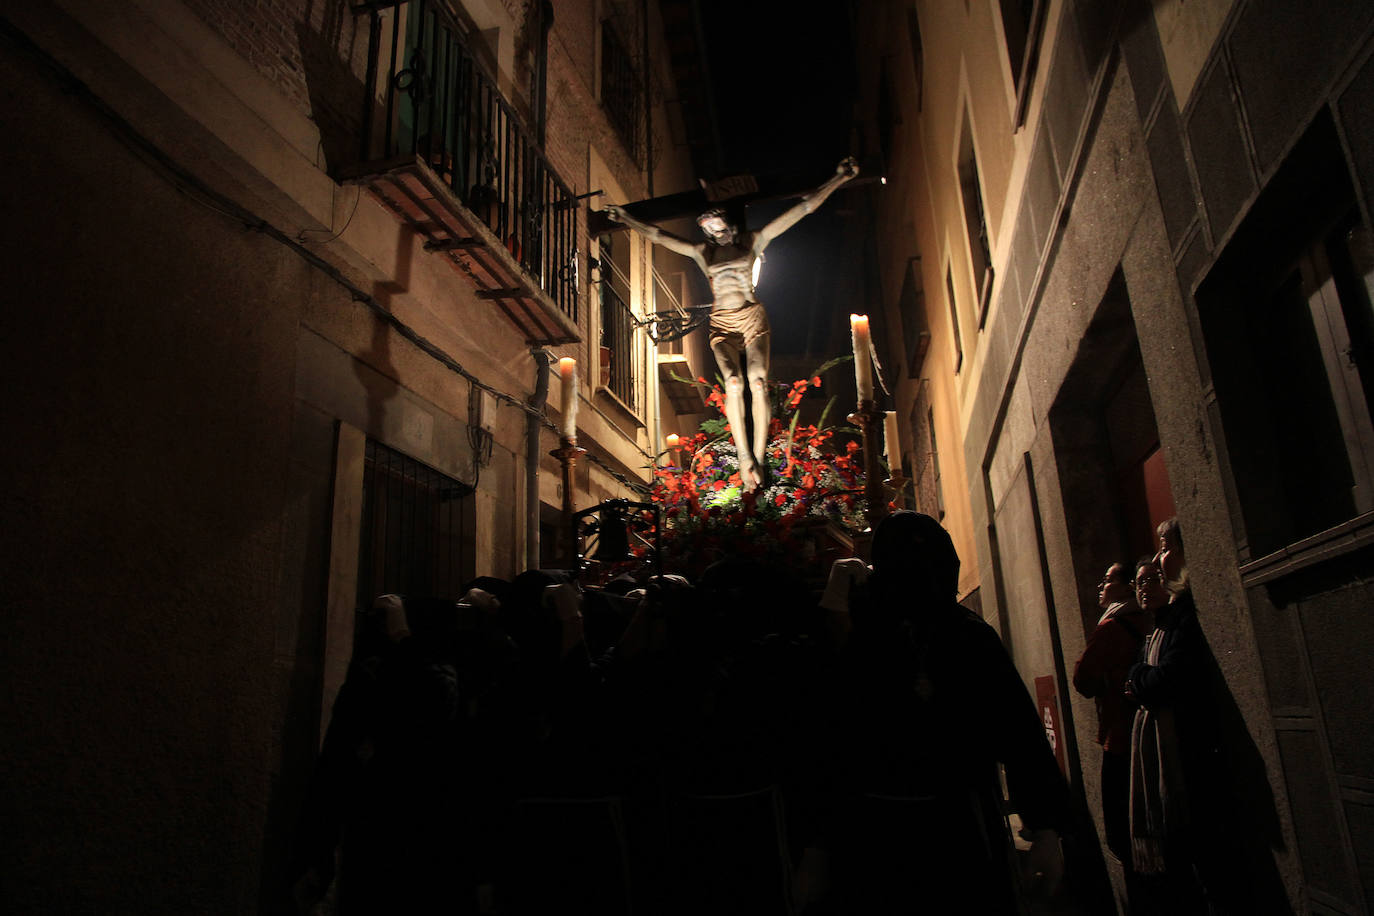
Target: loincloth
(739,327)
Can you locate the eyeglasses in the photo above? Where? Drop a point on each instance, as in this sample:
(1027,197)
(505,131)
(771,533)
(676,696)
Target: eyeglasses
(1152,579)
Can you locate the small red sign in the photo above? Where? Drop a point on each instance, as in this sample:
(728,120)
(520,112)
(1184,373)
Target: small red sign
(1047,703)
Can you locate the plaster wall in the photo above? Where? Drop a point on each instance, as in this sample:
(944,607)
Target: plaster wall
(906,222)
(163,477)
(178,385)
(1113,222)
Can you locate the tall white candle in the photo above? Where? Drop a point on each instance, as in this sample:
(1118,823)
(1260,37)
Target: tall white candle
(892,445)
(567,369)
(863,363)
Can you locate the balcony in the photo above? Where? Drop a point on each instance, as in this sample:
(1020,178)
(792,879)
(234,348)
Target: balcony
(445,152)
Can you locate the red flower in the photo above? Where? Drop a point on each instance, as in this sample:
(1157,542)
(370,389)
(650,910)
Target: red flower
(780,500)
(816,381)
(718,485)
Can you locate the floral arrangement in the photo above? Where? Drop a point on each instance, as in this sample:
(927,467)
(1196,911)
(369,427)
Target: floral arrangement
(814,477)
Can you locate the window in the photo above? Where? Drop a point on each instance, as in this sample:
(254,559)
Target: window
(975,220)
(918,54)
(954,319)
(417,535)
(1022,22)
(930,497)
(911,310)
(621,96)
(617,320)
(1287,322)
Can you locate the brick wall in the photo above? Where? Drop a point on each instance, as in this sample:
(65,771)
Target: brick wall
(313,51)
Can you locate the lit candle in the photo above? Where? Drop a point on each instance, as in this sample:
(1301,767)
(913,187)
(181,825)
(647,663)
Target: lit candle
(892,445)
(567,369)
(673,440)
(863,364)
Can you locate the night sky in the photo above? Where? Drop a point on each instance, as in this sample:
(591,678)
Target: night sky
(783,82)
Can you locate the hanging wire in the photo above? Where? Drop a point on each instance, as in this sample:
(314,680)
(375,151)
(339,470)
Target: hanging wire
(196,190)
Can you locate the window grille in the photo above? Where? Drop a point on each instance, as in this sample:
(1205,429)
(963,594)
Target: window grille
(621,90)
(925,467)
(1023,22)
(975,220)
(912,309)
(617,336)
(416,530)
(918,54)
(954,319)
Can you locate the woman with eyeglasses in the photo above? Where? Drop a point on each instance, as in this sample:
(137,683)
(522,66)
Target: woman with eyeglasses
(1174,747)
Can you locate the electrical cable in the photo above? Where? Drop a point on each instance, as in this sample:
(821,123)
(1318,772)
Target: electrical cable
(199,192)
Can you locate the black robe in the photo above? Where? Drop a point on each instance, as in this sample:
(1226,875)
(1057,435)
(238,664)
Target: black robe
(927,704)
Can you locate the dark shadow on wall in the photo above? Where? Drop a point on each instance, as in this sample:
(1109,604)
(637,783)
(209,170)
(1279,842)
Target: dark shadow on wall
(1239,822)
(374,366)
(334,88)
(297,744)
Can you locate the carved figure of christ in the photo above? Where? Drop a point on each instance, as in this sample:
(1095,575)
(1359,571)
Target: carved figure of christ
(739,325)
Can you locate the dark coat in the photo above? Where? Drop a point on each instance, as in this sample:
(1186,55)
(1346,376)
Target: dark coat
(928,703)
(1101,671)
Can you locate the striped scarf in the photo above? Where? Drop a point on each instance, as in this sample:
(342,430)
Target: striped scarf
(1159,803)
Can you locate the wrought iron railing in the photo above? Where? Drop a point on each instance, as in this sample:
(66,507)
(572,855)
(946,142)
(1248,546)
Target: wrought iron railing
(618,335)
(429,96)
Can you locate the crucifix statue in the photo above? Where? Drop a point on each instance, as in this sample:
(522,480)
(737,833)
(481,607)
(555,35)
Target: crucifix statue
(739,324)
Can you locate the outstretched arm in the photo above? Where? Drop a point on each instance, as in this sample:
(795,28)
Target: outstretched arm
(843,172)
(654,234)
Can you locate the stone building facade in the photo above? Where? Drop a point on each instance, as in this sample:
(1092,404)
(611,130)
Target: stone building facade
(256,370)
(1127,246)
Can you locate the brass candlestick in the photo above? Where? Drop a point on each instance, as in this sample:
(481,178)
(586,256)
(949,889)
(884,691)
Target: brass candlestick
(869,420)
(567,454)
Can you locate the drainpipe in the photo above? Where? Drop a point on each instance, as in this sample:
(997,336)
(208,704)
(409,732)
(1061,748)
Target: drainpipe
(542,361)
(648,103)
